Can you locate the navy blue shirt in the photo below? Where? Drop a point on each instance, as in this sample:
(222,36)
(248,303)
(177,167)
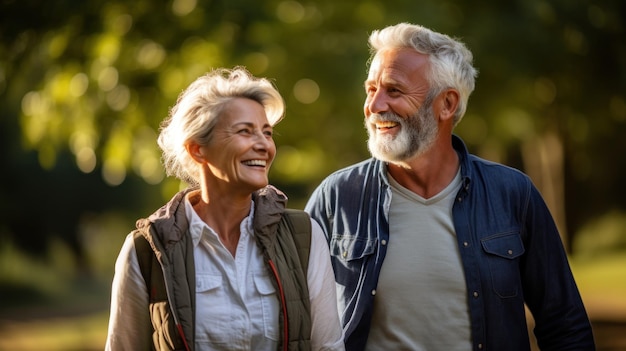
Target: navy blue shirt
(510,248)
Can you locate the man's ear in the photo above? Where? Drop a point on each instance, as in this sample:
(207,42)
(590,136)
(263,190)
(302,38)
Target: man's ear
(195,151)
(449,103)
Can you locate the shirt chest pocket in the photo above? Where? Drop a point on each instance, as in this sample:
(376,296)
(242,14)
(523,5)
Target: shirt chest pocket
(503,254)
(205,283)
(351,248)
(212,308)
(269,305)
(350,255)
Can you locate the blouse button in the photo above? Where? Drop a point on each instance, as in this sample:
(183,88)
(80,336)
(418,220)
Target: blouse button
(383,242)
(344,254)
(475,294)
(373,292)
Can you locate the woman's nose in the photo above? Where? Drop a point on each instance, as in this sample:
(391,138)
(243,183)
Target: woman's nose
(263,141)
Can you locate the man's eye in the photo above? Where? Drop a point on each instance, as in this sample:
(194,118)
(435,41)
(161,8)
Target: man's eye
(268,133)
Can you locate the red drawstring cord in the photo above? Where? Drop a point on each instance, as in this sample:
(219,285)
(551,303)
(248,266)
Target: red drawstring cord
(284,304)
(182,336)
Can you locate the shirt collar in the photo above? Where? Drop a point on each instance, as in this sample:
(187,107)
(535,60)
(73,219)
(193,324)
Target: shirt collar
(197,226)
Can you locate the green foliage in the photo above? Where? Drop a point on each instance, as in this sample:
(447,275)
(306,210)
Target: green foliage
(603,236)
(85,84)
(96,78)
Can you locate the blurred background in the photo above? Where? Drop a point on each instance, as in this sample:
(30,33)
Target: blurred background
(84,85)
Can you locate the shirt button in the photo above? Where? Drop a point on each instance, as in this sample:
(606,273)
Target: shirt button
(465,243)
(510,252)
(383,242)
(480,346)
(475,294)
(373,292)
(344,254)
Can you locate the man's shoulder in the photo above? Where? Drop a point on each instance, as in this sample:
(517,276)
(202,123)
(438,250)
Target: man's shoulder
(479,162)
(486,169)
(478,166)
(368,165)
(354,172)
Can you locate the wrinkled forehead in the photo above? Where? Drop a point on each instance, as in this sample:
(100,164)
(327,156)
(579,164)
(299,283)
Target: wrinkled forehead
(398,64)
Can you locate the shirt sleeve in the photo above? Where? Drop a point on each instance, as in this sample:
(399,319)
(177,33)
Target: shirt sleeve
(129,320)
(326,333)
(550,290)
(315,207)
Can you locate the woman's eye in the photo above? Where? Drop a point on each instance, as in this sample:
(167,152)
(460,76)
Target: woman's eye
(269,133)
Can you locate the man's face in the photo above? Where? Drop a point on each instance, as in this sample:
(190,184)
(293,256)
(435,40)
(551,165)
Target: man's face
(398,108)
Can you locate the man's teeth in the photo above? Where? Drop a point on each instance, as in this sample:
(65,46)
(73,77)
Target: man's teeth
(255,163)
(387,124)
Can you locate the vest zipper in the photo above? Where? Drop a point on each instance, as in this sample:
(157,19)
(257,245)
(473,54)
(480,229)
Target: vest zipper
(284,305)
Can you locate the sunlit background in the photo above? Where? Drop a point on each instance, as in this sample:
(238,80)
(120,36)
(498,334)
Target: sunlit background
(85,84)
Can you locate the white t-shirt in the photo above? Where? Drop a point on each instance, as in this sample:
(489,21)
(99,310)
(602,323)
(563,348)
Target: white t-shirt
(421,299)
(236,304)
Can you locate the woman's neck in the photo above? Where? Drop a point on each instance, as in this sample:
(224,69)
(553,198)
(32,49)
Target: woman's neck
(224,215)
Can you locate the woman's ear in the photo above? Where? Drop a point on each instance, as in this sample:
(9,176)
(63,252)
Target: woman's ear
(449,104)
(195,151)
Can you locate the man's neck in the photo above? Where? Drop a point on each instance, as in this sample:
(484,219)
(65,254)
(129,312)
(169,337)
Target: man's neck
(428,174)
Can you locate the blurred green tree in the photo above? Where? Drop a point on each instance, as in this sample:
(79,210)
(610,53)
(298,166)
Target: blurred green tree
(84,85)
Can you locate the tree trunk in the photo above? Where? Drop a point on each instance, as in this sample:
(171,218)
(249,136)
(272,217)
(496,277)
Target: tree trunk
(543,162)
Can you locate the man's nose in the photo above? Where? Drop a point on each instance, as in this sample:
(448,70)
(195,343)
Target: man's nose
(377,102)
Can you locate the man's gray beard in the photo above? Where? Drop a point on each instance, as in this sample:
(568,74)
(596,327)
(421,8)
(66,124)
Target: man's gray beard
(417,135)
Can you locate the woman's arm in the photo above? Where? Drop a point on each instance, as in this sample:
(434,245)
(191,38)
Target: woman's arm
(129,322)
(326,333)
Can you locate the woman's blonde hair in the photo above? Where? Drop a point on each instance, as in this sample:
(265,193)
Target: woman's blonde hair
(198,108)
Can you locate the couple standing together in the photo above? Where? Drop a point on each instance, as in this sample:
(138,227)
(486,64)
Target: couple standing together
(466,243)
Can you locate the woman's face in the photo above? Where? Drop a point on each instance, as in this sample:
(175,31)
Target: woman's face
(241,149)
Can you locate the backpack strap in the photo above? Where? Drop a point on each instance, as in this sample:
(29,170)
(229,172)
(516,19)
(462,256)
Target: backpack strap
(144,255)
(299,223)
(150,268)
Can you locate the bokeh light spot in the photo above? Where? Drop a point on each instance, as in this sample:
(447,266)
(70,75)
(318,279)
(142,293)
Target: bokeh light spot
(113,172)
(79,84)
(183,7)
(306,91)
(290,11)
(86,160)
(108,78)
(150,55)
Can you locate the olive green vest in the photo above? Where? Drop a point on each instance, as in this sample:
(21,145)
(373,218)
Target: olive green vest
(165,253)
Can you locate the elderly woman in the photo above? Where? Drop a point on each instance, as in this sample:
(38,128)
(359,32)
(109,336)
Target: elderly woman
(224,265)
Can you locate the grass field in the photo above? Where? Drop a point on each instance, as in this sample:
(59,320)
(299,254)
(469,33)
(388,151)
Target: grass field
(602,283)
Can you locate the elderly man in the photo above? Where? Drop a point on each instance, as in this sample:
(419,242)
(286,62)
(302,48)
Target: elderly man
(434,248)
